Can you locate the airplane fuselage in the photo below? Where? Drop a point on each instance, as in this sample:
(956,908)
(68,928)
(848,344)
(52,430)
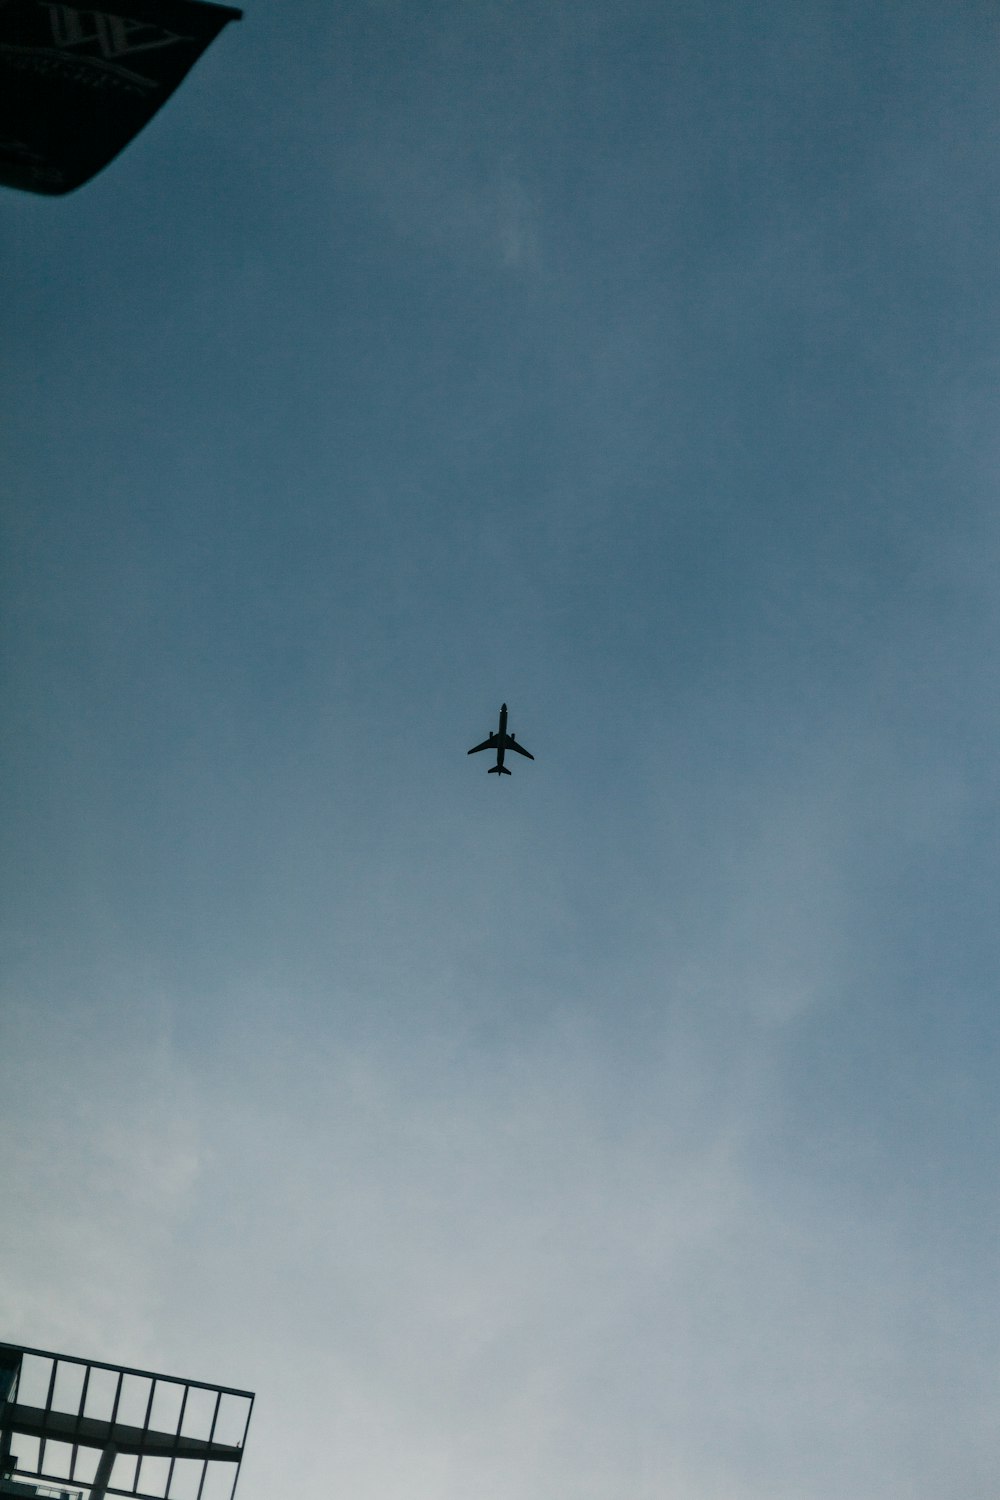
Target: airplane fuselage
(501,735)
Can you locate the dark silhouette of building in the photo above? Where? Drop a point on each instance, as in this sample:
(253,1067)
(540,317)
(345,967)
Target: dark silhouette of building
(77,83)
(82,1430)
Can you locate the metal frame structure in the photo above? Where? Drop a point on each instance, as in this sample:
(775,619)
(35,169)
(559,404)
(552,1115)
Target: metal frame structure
(108,1430)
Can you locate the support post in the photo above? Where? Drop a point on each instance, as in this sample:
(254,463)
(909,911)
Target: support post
(102,1478)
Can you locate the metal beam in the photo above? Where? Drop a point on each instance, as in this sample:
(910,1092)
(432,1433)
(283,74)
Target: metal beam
(91,1432)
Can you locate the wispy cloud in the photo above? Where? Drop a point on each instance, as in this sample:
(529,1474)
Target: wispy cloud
(102,1145)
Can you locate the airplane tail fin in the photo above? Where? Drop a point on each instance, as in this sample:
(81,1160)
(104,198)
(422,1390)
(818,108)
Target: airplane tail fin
(502,770)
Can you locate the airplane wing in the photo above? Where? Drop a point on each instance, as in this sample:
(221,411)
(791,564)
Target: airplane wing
(489,744)
(511,744)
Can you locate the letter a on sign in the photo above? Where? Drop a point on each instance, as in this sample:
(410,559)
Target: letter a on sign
(77,83)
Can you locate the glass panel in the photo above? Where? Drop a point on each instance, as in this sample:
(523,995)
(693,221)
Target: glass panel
(69,1387)
(25,1450)
(123,1472)
(167,1399)
(33,1387)
(135,1399)
(87,1460)
(153,1476)
(187,1477)
(232,1424)
(198,1413)
(101,1389)
(219,1482)
(57,1459)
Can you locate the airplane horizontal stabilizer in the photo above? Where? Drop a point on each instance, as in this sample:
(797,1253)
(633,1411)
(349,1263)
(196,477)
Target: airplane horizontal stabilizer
(498,770)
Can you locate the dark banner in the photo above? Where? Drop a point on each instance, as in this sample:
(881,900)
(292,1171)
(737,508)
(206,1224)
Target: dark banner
(77,84)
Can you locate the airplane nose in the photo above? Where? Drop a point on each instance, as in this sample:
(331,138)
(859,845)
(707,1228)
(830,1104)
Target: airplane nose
(503,708)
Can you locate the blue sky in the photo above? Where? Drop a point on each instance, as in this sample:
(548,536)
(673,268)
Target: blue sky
(630,1126)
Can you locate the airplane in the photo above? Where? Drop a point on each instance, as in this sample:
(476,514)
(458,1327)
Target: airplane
(500,741)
